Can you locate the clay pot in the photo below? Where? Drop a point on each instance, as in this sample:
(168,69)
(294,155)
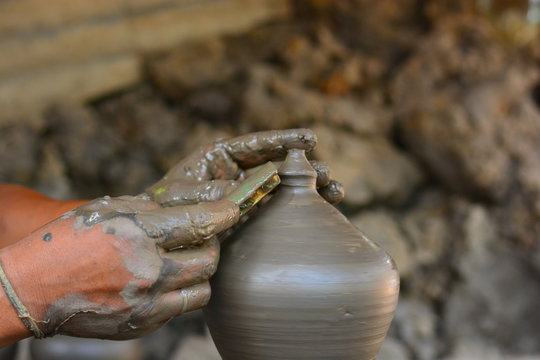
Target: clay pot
(8,352)
(69,348)
(298,281)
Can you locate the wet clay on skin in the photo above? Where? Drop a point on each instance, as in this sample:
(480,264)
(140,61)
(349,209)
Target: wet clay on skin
(127,282)
(226,159)
(142,285)
(215,170)
(171,227)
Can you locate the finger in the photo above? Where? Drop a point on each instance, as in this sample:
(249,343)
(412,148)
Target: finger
(188,225)
(224,159)
(157,311)
(188,267)
(176,303)
(207,163)
(257,148)
(145,317)
(323,172)
(185,192)
(121,204)
(333,192)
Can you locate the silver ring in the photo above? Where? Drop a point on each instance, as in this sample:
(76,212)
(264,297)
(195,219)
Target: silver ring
(184,300)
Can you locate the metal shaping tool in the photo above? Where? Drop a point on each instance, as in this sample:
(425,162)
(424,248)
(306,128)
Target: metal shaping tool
(255,187)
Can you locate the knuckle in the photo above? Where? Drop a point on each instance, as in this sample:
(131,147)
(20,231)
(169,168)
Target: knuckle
(334,192)
(204,224)
(307,137)
(208,270)
(321,167)
(211,260)
(228,209)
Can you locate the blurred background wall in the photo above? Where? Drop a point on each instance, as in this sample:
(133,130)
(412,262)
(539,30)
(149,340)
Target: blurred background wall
(427,110)
(81,49)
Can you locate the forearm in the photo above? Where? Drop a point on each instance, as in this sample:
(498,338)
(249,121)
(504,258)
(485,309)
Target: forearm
(26,272)
(12,328)
(39,269)
(23,210)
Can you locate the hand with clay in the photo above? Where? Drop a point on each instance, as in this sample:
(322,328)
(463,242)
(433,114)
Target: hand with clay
(104,270)
(118,268)
(215,170)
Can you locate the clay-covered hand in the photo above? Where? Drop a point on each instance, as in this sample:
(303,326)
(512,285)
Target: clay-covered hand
(105,270)
(213,171)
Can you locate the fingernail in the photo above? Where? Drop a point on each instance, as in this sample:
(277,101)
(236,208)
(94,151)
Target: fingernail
(334,192)
(323,173)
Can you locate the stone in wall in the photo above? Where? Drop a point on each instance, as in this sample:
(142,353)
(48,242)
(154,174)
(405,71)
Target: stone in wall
(19,153)
(271,98)
(52,177)
(192,67)
(496,290)
(415,325)
(371,169)
(426,226)
(457,115)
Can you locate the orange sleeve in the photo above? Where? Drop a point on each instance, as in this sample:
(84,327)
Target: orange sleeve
(23,210)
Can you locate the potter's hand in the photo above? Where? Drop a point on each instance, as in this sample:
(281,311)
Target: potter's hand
(215,170)
(103,269)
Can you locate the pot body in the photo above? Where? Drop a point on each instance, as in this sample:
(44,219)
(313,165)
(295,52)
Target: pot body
(298,281)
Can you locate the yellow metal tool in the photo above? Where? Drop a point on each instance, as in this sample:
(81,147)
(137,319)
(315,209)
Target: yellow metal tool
(255,187)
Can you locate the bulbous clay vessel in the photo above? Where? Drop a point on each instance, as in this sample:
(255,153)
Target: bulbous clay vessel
(298,281)
(70,348)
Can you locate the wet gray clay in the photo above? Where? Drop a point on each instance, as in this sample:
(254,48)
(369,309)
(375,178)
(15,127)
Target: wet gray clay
(298,281)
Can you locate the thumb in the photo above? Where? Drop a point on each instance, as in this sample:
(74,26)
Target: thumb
(188,225)
(186,192)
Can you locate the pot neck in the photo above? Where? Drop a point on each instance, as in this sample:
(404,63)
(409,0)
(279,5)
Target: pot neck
(296,171)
